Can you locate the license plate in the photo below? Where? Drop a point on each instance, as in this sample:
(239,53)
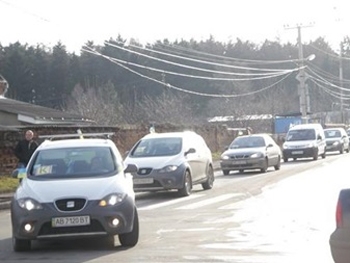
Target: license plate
(239,162)
(143,181)
(70,221)
(297,152)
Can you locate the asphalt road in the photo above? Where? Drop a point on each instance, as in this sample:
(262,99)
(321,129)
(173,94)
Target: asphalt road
(250,217)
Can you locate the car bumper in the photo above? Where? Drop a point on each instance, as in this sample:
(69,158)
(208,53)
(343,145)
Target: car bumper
(100,221)
(332,148)
(155,181)
(300,153)
(257,163)
(340,245)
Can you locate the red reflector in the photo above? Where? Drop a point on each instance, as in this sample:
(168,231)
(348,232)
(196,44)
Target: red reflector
(339,215)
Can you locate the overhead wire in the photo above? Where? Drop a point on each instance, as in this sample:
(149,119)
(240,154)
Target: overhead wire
(194,60)
(168,85)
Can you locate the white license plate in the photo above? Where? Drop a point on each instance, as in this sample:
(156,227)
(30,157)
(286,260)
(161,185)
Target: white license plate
(239,162)
(297,152)
(70,221)
(143,181)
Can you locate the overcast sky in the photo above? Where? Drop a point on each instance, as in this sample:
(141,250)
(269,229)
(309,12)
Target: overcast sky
(74,22)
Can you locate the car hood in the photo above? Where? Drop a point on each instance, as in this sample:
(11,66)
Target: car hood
(45,191)
(333,139)
(155,162)
(244,151)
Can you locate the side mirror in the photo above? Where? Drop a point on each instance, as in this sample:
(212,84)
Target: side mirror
(226,148)
(131,168)
(191,150)
(269,145)
(319,137)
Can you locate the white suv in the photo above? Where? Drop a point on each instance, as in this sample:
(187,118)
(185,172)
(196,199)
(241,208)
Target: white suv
(75,188)
(173,160)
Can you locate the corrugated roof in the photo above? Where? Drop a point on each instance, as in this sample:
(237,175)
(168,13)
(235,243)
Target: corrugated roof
(38,112)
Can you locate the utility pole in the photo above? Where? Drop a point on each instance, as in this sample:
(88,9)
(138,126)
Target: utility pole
(303,89)
(341,80)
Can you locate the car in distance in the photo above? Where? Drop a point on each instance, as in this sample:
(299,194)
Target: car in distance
(256,151)
(64,195)
(337,140)
(340,238)
(171,161)
(304,141)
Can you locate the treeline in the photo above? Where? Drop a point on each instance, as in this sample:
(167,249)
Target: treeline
(120,85)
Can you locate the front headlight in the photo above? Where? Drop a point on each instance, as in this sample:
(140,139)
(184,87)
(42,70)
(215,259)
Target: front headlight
(285,146)
(112,199)
(29,204)
(168,169)
(336,143)
(225,157)
(256,155)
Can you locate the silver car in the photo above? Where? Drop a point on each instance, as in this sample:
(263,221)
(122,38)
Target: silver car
(257,151)
(336,140)
(75,188)
(174,160)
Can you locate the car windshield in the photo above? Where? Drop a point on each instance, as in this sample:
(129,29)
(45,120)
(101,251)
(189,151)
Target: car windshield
(73,162)
(248,142)
(332,134)
(157,147)
(301,135)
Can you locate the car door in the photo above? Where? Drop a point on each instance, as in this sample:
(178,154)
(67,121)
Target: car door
(196,158)
(272,151)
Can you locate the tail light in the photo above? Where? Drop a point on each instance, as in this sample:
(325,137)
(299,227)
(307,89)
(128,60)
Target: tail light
(339,214)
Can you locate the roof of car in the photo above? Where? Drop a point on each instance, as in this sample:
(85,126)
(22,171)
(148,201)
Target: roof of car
(170,134)
(68,143)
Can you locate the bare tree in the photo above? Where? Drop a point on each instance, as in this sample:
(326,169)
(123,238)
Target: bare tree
(99,104)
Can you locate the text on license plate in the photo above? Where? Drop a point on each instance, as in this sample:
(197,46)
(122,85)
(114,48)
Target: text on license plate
(297,152)
(70,221)
(239,162)
(143,180)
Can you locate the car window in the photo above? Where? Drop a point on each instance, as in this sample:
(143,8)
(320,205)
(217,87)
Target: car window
(332,134)
(73,162)
(248,142)
(157,147)
(301,135)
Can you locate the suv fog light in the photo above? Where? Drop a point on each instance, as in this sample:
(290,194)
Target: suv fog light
(28,228)
(115,222)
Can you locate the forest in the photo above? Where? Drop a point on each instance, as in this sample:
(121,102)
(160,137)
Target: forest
(124,82)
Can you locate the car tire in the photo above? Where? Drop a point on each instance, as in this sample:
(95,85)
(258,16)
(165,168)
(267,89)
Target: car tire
(187,185)
(20,245)
(241,171)
(210,179)
(130,239)
(341,149)
(285,160)
(324,154)
(226,172)
(278,165)
(265,166)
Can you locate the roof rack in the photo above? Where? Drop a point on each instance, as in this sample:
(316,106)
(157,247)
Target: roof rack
(79,134)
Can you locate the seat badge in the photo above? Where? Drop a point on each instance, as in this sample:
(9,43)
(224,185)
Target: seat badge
(70,204)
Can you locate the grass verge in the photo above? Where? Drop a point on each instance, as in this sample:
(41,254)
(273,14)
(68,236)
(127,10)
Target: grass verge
(8,184)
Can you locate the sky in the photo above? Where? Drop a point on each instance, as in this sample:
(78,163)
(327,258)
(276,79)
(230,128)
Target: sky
(74,22)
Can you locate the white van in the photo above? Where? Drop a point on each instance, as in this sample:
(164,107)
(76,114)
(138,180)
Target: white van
(304,141)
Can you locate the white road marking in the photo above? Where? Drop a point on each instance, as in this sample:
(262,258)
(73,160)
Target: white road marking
(208,201)
(171,202)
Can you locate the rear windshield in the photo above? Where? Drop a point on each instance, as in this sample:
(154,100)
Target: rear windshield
(301,135)
(157,147)
(73,162)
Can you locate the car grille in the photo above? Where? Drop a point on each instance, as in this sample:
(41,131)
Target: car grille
(144,171)
(239,156)
(46,229)
(70,204)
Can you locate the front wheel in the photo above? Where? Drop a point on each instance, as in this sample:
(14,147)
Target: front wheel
(265,166)
(278,165)
(210,179)
(187,185)
(226,172)
(130,239)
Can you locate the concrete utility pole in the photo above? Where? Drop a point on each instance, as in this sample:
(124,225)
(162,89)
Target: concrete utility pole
(303,89)
(341,78)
